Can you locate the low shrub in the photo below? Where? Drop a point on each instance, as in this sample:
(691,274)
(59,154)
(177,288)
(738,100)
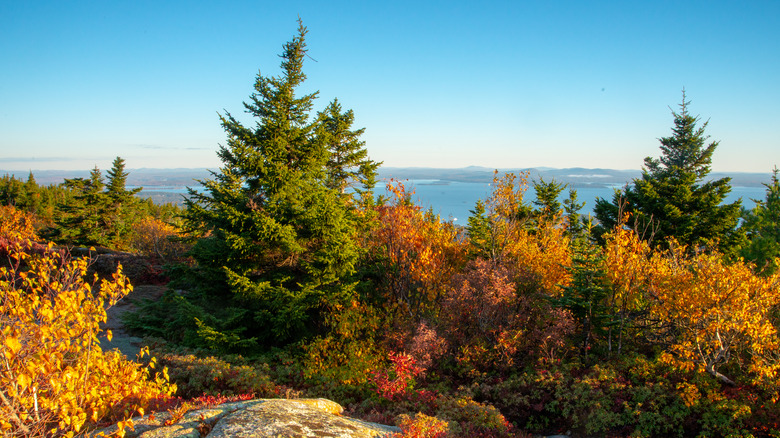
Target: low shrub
(633,396)
(421,426)
(210,376)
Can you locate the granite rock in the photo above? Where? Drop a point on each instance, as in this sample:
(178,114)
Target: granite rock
(258,418)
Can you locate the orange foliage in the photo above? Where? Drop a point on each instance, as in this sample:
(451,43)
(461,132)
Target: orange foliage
(419,253)
(54,376)
(421,426)
(540,256)
(722,311)
(16,224)
(488,325)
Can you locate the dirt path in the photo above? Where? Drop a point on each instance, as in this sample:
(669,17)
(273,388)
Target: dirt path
(128,345)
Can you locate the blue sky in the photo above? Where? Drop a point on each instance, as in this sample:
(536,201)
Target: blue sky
(435,84)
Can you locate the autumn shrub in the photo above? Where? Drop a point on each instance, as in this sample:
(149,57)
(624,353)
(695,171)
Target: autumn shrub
(55,379)
(490,325)
(469,418)
(630,396)
(416,254)
(421,426)
(398,381)
(157,240)
(16,224)
(211,376)
(348,353)
(536,250)
(425,345)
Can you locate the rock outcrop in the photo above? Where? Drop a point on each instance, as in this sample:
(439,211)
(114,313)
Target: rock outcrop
(258,418)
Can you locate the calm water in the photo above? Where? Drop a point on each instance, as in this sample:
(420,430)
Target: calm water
(453,200)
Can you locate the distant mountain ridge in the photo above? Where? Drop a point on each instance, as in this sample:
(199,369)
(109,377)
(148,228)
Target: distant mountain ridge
(574,176)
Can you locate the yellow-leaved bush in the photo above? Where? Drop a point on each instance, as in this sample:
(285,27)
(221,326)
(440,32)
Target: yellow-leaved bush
(54,377)
(714,312)
(156,239)
(539,255)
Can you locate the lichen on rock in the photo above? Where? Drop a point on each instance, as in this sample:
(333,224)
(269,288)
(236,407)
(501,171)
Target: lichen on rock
(259,418)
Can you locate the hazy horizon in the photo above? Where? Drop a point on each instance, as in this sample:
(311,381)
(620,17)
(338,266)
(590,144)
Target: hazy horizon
(575,176)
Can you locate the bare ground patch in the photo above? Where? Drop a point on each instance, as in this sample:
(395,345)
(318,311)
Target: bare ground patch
(121,340)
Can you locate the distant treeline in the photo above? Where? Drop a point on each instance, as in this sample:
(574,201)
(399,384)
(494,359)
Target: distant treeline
(79,211)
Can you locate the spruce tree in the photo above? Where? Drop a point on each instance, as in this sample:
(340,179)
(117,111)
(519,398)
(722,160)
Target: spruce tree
(673,198)
(348,165)
(277,244)
(32,195)
(574,221)
(83,216)
(480,235)
(11,191)
(547,197)
(121,210)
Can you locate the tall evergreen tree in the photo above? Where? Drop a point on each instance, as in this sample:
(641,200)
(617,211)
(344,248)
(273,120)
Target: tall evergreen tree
(574,223)
(673,198)
(117,180)
(480,236)
(11,191)
(277,244)
(32,195)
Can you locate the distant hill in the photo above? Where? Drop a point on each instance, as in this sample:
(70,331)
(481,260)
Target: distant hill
(576,176)
(137,177)
(159,179)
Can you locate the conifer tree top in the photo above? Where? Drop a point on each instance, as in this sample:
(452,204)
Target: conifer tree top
(684,151)
(672,199)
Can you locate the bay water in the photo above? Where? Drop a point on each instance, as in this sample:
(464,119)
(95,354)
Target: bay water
(453,200)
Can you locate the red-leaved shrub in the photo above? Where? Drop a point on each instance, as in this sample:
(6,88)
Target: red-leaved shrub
(487,322)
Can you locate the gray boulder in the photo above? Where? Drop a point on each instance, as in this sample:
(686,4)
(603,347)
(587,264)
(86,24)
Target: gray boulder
(258,418)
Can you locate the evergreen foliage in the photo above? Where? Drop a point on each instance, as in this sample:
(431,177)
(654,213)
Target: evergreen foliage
(30,197)
(121,210)
(574,222)
(673,198)
(348,164)
(586,297)
(547,197)
(83,222)
(96,212)
(478,228)
(762,226)
(277,242)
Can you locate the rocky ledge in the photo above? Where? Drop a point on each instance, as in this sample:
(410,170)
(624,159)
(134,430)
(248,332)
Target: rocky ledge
(257,418)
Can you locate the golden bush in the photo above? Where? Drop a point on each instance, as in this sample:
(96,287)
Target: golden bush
(156,239)
(55,379)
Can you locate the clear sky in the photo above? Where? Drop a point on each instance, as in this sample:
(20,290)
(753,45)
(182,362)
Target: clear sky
(435,84)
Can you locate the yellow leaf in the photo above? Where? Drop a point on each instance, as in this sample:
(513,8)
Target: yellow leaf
(23,380)
(13,346)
